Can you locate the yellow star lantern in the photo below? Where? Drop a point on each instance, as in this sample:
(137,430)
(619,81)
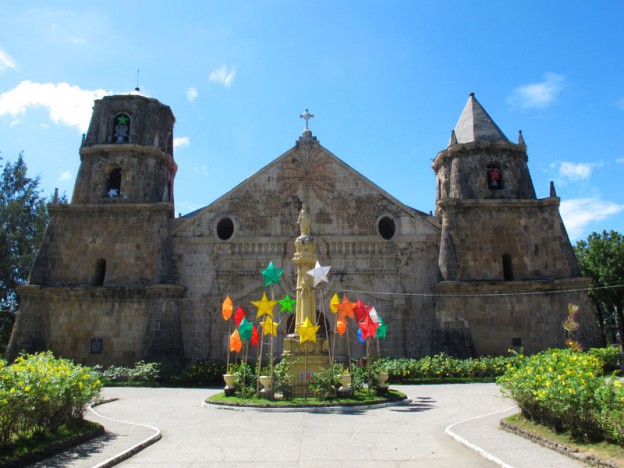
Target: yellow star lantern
(333,304)
(307,331)
(265,307)
(269,327)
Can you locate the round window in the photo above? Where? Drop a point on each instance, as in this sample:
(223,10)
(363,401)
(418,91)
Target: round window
(225,228)
(387,227)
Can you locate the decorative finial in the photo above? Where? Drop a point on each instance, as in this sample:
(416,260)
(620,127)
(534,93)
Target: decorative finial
(553,192)
(471,94)
(137,89)
(453,138)
(521,139)
(306,116)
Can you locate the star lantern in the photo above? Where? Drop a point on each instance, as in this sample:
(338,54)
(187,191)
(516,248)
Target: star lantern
(319,273)
(287,304)
(235,342)
(307,331)
(382,329)
(373,314)
(341,326)
(269,327)
(227,308)
(271,274)
(255,335)
(245,329)
(265,307)
(368,327)
(333,304)
(361,310)
(239,315)
(345,308)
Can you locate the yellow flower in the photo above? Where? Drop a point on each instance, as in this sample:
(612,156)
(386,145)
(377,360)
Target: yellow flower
(27,388)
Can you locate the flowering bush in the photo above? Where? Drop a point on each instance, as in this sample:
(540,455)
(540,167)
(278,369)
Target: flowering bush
(567,391)
(39,393)
(146,372)
(443,366)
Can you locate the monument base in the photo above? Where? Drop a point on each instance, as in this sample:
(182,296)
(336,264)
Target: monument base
(307,358)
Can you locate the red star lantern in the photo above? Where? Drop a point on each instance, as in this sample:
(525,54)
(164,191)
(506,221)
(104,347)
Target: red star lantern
(368,327)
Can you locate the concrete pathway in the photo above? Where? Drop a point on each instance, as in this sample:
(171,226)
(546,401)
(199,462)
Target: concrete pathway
(443,426)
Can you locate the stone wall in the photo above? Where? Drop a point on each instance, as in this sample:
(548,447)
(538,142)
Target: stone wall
(477,233)
(132,239)
(497,315)
(133,323)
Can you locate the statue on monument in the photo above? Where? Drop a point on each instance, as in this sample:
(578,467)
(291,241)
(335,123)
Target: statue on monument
(304,220)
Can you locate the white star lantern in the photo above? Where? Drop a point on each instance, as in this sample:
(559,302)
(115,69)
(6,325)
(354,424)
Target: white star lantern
(319,273)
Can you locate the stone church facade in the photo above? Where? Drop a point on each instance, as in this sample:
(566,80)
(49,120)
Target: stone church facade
(118,278)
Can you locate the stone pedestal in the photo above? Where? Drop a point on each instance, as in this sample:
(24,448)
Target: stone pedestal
(317,360)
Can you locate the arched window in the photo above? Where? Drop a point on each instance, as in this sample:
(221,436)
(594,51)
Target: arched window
(507,268)
(113,185)
(121,128)
(100,272)
(494,177)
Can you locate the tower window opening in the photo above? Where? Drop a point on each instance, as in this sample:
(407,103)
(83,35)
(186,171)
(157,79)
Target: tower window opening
(113,187)
(494,177)
(100,272)
(225,228)
(121,128)
(507,268)
(386,227)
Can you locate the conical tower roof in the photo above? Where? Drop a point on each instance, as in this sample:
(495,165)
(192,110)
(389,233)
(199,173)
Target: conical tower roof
(475,124)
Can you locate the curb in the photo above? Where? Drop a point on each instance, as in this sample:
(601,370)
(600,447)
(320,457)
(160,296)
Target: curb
(308,409)
(124,455)
(563,449)
(485,454)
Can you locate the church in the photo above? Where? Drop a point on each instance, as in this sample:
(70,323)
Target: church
(119,278)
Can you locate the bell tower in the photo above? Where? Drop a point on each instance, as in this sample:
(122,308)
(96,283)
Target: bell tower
(104,272)
(497,239)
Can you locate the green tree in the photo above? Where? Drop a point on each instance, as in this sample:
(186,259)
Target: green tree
(23,218)
(601,258)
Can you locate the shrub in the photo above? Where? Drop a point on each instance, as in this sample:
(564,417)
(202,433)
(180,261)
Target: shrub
(39,393)
(141,372)
(610,356)
(200,374)
(567,391)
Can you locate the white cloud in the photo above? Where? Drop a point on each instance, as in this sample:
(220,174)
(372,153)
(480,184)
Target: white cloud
(67,105)
(578,213)
(575,171)
(538,95)
(79,40)
(65,175)
(191,94)
(620,160)
(181,142)
(223,76)
(6,61)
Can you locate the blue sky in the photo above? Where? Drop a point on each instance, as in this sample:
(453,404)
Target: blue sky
(386,81)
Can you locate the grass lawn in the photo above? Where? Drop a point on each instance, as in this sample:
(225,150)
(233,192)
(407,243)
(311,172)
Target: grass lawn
(41,446)
(362,398)
(592,453)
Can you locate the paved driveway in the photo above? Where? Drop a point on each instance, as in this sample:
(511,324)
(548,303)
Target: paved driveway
(433,430)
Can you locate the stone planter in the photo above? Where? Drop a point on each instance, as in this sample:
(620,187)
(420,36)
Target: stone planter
(267,386)
(382,377)
(230,384)
(345,384)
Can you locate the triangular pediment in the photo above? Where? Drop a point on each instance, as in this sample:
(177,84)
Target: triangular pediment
(341,200)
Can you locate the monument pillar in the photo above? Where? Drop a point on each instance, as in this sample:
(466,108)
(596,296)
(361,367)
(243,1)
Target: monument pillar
(310,357)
